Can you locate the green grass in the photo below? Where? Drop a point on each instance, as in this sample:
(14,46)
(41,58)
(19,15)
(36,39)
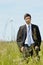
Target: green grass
(10,55)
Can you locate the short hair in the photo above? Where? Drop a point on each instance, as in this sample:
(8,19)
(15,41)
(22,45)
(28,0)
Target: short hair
(26,15)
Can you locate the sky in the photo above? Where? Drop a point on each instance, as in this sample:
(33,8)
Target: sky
(12,16)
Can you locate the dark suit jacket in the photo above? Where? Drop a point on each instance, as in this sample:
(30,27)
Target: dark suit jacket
(22,34)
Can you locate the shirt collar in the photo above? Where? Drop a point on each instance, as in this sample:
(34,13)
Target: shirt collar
(28,25)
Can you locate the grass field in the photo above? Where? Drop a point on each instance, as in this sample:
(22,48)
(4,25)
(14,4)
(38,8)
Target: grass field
(10,55)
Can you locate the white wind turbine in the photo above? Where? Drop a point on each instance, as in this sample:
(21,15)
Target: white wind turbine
(9,31)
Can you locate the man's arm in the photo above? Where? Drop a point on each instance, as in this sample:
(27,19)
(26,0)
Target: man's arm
(19,38)
(39,37)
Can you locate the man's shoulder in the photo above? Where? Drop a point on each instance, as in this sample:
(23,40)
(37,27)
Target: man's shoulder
(35,25)
(23,26)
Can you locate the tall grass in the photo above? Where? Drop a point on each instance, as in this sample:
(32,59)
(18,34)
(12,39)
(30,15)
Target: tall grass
(10,55)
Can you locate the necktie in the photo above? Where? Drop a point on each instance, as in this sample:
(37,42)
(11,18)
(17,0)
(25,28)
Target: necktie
(29,38)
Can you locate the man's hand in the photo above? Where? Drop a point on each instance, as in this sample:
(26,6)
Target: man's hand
(36,47)
(22,48)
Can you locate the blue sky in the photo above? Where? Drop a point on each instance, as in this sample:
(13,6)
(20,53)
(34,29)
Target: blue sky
(14,10)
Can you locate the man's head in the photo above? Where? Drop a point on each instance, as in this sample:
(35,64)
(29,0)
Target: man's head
(27,18)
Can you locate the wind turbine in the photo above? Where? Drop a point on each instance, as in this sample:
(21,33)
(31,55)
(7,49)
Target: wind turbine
(9,28)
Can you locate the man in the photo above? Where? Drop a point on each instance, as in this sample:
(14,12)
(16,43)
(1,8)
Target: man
(29,38)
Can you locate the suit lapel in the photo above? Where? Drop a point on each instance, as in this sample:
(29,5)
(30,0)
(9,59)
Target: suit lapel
(32,28)
(34,35)
(25,31)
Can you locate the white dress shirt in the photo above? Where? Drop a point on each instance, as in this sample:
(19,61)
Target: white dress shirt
(29,39)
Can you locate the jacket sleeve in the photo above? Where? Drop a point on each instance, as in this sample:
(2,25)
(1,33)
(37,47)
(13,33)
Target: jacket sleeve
(20,38)
(38,37)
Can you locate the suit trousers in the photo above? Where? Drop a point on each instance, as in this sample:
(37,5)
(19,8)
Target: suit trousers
(29,51)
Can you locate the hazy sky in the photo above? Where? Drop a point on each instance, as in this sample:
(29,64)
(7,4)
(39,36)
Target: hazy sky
(12,13)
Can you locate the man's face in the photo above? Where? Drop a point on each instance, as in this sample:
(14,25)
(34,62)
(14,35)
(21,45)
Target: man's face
(28,20)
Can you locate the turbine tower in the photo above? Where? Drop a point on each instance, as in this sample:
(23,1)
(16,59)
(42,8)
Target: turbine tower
(9,31)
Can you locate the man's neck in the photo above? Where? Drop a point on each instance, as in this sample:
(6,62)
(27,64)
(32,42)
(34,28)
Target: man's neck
(28,24)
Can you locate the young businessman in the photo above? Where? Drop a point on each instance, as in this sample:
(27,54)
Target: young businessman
(29,38)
